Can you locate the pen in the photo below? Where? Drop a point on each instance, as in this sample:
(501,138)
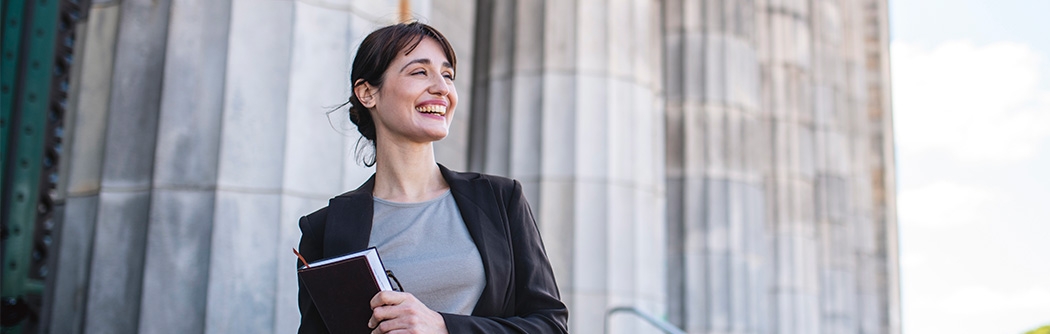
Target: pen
(300,257)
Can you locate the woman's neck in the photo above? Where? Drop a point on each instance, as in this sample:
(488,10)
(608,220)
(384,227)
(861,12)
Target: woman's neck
(408,173)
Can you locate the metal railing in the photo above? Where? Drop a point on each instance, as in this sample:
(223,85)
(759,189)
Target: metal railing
(664,326)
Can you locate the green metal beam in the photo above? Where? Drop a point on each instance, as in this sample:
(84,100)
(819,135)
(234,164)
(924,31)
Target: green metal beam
(25,137)
(9,52)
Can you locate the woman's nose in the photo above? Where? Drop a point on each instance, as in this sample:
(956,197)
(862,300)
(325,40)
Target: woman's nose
(440,86)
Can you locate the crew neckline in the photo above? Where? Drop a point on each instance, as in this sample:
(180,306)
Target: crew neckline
(412,204)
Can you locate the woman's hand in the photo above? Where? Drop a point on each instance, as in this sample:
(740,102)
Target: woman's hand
(400,312)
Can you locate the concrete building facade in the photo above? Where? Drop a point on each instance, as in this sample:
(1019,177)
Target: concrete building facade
(725,165)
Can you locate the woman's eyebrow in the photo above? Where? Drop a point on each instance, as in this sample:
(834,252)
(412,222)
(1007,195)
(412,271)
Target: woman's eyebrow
(424,61)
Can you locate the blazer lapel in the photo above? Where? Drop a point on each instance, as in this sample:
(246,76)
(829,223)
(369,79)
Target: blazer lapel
(477,204)
(349,221)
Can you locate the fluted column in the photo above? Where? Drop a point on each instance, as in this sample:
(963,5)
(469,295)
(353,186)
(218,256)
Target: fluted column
(718,157)
(571,107)
(178,244)
(114,291)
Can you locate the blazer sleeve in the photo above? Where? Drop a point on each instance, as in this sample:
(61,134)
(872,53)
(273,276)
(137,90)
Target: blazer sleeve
(535,303)
(311,247)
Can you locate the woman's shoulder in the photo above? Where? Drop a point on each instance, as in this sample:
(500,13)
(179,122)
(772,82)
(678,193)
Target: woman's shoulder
(318,217)
(499,183)
(313,223)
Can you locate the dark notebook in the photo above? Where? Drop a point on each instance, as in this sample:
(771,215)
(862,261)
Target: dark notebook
(342,287)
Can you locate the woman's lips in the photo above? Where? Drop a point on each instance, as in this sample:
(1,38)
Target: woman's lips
(436,109)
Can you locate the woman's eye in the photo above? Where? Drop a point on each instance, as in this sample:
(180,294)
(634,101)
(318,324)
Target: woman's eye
(419,72)
(449,76)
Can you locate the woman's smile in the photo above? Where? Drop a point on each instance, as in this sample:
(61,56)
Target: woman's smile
(433,107)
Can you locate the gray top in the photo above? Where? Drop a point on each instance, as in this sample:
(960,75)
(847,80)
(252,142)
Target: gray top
(430,251)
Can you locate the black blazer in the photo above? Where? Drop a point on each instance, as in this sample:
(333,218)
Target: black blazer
(520,294)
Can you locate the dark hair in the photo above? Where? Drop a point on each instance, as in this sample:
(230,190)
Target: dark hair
(373,57)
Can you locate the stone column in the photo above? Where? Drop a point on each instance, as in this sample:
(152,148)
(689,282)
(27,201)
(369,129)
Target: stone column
(568,103)
(718,157)
(114,291)
(178,247)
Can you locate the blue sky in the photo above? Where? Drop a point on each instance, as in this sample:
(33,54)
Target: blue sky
(971,89)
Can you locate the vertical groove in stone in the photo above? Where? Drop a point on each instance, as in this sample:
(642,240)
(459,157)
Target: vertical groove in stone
(673,42)
(500,87)
(525,156)
(114,291)
(479,92)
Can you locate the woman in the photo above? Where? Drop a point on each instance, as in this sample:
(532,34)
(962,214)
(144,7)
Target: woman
(464,245)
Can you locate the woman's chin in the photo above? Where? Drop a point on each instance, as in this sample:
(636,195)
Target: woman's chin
(433,135)
(437,137)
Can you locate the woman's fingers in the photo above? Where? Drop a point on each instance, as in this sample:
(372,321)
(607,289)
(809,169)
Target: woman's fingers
(393,312)
(389,298)
(380,299)
(385,305)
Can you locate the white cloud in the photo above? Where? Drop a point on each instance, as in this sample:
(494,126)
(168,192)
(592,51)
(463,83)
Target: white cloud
(977,300)
(945,204)
(981,309)
(977,103)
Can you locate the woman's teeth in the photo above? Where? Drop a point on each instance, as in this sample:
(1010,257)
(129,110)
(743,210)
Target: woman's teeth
(432,109)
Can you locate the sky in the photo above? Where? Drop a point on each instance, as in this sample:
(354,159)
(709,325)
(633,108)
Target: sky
(971,104)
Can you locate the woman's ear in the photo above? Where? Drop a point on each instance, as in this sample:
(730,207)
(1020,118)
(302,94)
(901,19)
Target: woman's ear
(365,93)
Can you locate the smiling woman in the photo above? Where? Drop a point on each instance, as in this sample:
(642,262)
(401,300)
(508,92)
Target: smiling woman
(464,245)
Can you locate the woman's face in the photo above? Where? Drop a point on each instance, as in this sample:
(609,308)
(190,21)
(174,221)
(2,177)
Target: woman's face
(417,99)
